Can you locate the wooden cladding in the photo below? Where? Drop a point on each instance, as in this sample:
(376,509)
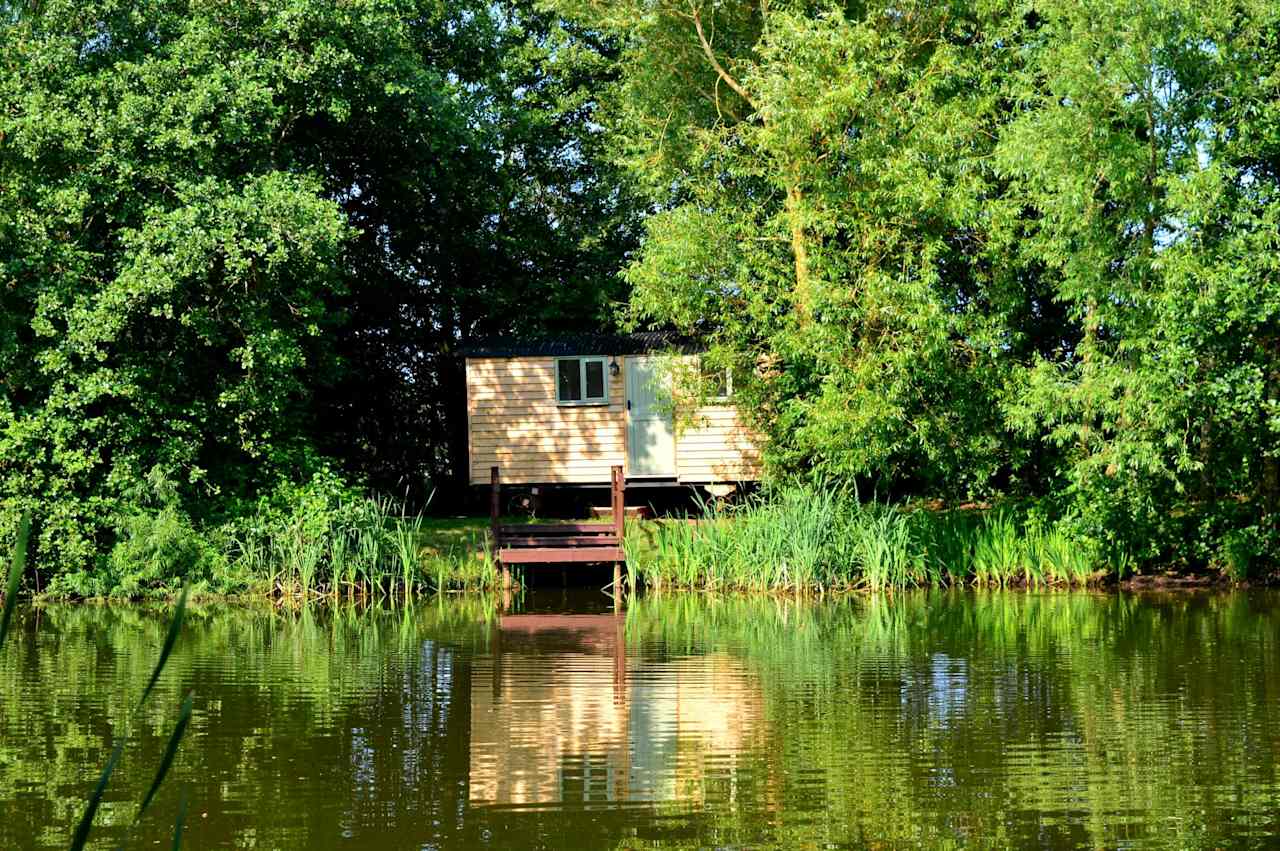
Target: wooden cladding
(514,422)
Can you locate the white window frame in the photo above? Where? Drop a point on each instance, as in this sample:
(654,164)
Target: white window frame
(727,396)
(583,360)
(728,387)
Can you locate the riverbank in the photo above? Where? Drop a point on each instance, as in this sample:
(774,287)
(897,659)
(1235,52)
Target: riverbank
(797,540)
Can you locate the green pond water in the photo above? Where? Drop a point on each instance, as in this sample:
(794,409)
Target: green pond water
(932,719)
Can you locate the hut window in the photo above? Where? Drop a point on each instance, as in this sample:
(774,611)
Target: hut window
(581,381)
(719,383)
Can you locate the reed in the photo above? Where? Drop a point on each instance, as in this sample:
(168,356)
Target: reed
(809,539)
(998,549)
(368,547)
(944,542)
(883,549)
(1058,557)
(795,539)
(405,536)
(85,827)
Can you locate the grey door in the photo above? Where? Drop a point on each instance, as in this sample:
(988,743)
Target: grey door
(651,438)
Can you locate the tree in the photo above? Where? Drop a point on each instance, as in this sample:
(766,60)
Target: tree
(822,173)
(517,228)
(977,248)
(1146,145)
(241,240)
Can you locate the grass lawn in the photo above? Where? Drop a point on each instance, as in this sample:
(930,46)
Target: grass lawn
(444,535)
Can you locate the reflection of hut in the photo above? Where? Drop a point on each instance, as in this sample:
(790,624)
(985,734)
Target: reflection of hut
(685,714)
(549,712)
(558,716)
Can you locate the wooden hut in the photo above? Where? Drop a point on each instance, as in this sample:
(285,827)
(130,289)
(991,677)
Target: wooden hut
(565,411)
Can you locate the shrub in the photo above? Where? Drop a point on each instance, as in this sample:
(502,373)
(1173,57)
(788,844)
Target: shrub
(157,553)
(1240,552)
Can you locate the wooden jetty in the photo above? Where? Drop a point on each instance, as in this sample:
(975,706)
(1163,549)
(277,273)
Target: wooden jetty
(559,543)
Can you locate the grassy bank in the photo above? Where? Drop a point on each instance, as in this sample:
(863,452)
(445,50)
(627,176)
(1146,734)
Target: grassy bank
(805,539)
(372,550)
(319,540)
(322,541)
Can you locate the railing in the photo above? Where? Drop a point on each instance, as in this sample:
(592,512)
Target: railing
(559,543)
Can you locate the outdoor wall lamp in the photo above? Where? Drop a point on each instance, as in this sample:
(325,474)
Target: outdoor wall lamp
(614,369)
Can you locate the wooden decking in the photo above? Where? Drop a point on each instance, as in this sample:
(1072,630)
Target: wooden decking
(559,543)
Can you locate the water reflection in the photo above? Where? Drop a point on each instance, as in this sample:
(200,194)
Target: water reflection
(988,720)
(559,715)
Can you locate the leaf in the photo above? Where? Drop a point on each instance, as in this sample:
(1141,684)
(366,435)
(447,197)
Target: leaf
(175,626)
(15,574)
(180,822)
(184,717)
(86,823)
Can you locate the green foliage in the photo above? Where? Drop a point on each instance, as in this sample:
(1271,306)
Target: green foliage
(156,555)
(958,251)
(322,538)
(239,238)
(944,542)
(973,250)
(1159,230)
(820,173)
(1241,551)
(327,538)
(997,555)
(801,538)
(158,551)
(883,549)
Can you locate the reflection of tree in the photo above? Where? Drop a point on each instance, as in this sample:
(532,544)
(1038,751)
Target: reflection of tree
(1003,719)
(307,724)
(1015,718)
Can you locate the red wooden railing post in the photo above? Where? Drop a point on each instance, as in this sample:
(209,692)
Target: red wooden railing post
(618,502)
(619,525)
(495,501)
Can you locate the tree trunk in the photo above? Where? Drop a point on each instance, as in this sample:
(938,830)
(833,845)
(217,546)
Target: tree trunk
(1269,481)
(799,249)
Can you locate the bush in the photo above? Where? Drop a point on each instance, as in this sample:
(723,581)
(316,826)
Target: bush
(1240,552)
(157,550)
(319,534)
(156,554)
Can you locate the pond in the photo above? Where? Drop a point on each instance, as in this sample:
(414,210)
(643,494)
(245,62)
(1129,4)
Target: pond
(941,719)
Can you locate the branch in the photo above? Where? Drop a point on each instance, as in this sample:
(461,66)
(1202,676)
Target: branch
(711,57)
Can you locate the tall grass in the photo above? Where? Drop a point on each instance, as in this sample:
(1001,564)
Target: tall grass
(406,537)
(806,539)
(883,549)
(998,551)
(355,547)
(943,545)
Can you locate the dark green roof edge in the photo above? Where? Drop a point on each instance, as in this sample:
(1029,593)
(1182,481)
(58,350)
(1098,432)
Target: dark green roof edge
(570,345)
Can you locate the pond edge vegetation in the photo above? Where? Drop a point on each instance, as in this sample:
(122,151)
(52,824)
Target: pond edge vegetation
(827,540)
(328,540)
